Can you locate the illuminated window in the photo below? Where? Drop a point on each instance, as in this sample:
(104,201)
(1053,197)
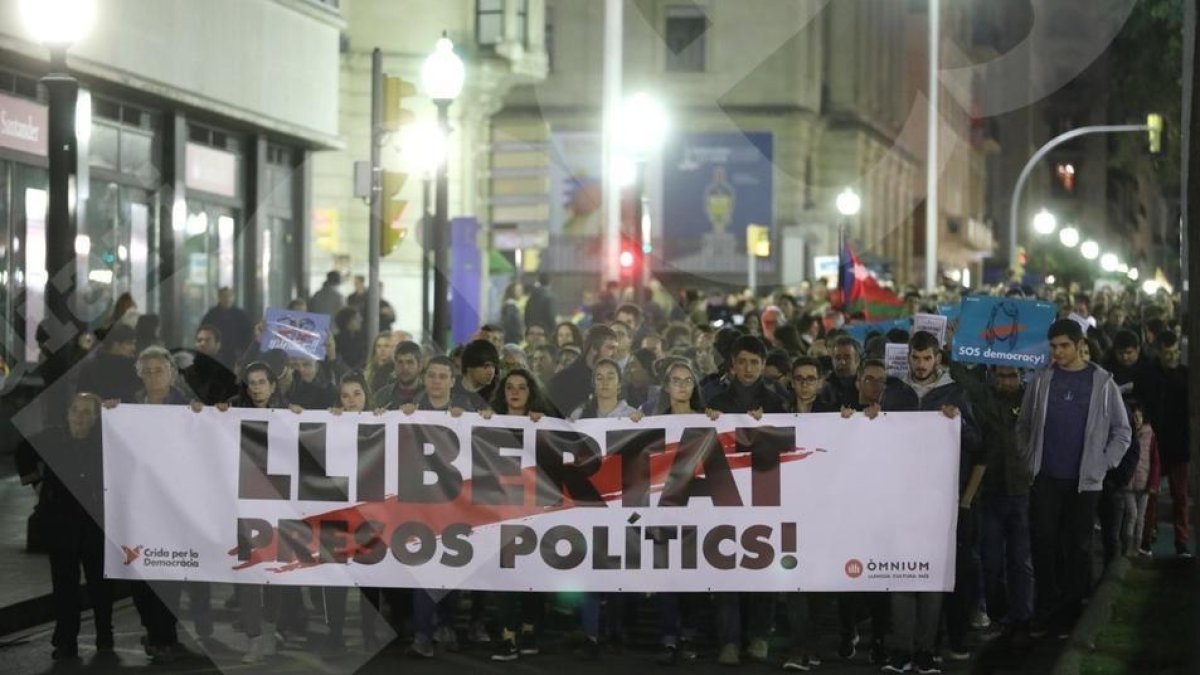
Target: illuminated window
(1064,175)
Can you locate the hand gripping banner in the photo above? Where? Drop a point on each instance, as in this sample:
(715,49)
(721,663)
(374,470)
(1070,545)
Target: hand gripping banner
(670,503)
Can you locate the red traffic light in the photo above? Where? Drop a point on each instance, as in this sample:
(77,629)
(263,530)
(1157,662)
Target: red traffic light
(627,259)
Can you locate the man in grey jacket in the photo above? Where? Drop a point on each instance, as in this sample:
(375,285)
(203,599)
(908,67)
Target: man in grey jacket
(1072,429)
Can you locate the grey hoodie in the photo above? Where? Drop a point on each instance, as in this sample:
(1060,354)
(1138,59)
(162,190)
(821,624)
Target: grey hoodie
(1106,436)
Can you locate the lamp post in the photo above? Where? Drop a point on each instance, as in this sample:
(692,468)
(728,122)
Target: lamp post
(58,24)
(642,126)
(848,204)
(429,155)
(442,77)
(1044,223)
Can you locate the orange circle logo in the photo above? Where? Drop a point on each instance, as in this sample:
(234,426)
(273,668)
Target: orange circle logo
(854,568)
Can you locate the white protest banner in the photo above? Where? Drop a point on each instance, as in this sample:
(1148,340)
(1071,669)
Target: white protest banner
(669,503)
(934,324)
(896,357)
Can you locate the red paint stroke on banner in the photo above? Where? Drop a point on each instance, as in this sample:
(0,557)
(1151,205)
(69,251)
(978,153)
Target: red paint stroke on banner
(391,512)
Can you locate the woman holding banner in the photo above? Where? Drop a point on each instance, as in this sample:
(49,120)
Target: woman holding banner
(605,402)
(519,393)
(681,396)
(353,397)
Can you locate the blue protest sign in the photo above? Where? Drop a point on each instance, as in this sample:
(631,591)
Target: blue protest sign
(950,311)
(859,331)
(1003,332)
(297,333)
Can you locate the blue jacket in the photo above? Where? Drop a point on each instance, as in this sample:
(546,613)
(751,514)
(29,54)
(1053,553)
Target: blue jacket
(1105,438)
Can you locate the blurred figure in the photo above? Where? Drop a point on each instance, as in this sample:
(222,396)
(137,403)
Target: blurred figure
(235,326)
(328,300)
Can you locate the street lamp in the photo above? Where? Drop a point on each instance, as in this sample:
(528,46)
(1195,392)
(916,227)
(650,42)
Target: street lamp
(1109,262)
(848,203)
(1132,274)
(442,77)
(1150,287)
(58,24)
(1090,249)
(1069,236)
(643,124)
(1044,222)
(428,146)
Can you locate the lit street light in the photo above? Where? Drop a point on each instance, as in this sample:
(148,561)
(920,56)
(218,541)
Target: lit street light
(1044,222)
(1069,236)
(848,203)
(1132,274)
(1090,249)
(1109,262)
(58,24)
(1150,287)
(442,77)
(643,124)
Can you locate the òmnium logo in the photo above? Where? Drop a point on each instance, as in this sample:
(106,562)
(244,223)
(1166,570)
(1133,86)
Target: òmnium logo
(161,557)
(854,568)
(131,554)
(895,569)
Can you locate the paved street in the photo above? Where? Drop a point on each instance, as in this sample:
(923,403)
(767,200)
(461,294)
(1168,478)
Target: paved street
(29,653)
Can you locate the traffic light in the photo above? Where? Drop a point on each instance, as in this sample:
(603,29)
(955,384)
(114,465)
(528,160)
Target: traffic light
(1155,133)
(395,90)
(391,230)
(1022,258)
(629,258)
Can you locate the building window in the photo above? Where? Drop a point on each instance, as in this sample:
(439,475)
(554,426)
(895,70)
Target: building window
(25,87)
(522,22)
(685,30)
(1064,178)
(489,22)
(548,39)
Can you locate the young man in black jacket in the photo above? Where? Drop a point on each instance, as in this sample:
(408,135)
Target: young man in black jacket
(915,616)
(747,393)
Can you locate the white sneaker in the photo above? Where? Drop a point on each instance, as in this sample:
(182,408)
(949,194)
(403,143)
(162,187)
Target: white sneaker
(980,620)
(254,654)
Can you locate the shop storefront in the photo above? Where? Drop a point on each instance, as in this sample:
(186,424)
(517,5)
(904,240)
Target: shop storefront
(175,205)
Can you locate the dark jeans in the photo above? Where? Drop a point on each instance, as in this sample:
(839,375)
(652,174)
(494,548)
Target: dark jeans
(334,599)
(1111,508)
(852,605)
(66,560)
(518,609)
(428,613)
(1061,518)
(1007,558)
(156,603)
(965,597)
(614,605)
(915,618)
(803,616)
(672,608)
(757,607)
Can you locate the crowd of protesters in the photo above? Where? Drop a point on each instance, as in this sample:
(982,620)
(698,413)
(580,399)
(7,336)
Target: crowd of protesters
(1045,456)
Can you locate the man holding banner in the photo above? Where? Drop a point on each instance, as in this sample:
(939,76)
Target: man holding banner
(915,616)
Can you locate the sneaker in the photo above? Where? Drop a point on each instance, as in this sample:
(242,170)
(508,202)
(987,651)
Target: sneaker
(801,663)
(423,647)
(848,648)
(757,651)
(729,655)
(270,640)
(65,653)
(899,663)
(591,650)
(925,664)
(1144,553)
(958,654)
(254,653)
(669,655)
(446,638)
(478,634)
(1184,553)
(980,620)
(527,643)
(508,651)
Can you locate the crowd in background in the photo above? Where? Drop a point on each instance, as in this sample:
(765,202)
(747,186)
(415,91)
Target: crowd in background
(1046,456)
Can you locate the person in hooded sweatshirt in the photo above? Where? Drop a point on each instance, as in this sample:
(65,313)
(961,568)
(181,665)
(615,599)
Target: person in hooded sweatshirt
(915,616)
(1072,429)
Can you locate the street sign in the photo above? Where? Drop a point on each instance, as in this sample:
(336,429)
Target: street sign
(513,238)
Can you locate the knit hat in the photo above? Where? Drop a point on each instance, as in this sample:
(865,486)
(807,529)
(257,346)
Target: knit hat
(479,353)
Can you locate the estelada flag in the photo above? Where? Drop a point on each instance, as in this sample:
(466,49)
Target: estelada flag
(861,292)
